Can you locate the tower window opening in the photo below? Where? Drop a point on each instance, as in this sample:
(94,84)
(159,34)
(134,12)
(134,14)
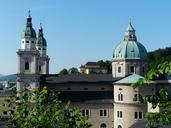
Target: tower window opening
(39,48)
(27,42)
(26,65)
(119,114)
(32,42)
(120,97)
(132,69)
(119,69)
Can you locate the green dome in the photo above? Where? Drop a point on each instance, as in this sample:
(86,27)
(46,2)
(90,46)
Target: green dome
(41,41)
(130,50)
(29,32)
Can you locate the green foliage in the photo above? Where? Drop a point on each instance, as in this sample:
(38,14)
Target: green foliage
(106,65)
(73,70)
(159,98)
(43,109)
(159,56)
(63,72)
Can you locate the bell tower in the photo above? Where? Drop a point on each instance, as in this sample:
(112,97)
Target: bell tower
(42,48)
(28,57)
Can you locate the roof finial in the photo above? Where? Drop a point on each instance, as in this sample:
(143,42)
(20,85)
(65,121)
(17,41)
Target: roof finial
(129,20)
(29,12)
(40,25)
(130,27)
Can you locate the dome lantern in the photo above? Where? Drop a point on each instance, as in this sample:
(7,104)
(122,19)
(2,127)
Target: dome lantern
(130,33)
(130,48)
(29,32)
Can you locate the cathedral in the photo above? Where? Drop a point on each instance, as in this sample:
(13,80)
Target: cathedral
(107,99)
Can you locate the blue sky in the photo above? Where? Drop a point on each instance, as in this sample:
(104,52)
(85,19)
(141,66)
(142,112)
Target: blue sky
(78,31)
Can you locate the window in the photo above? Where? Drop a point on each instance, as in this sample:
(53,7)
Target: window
(85,112)
(132,68)
(119,69)
(39,48)
(44,48)
(119,114)
(26,65)
(136,97)
(32,42)
(23,42)
(103,125)
(120,97)
(103,112)
(27,42)
(119,126)
(138,115)
(85,88)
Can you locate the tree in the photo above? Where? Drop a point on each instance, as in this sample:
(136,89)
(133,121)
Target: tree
(43,109)
(63,72)
(159,99)
(73,70)
(106,65)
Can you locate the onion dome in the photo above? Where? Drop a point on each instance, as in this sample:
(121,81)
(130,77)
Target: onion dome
(29,32)
(41,41)
(130,48)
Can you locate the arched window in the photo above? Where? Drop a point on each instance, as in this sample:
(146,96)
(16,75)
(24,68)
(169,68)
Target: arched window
(103,125)
(26,65)
(119,126)
(120,97)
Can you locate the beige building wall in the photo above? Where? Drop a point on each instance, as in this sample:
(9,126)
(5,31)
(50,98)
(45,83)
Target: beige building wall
(94,117)
(128,111)
(128,106)
(125,67)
